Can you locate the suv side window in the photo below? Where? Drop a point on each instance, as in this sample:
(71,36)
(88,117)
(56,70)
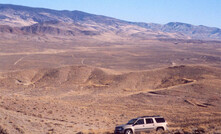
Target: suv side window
(149,121)
(159,120)
(140,122)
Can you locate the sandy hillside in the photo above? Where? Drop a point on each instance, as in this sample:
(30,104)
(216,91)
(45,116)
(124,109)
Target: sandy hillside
(80,98)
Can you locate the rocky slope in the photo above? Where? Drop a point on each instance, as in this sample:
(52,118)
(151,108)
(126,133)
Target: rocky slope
(29,20)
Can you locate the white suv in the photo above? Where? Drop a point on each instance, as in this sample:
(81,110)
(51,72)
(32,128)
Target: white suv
(142,124)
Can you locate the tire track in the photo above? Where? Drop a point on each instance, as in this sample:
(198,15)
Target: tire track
(19,60)
(82,61)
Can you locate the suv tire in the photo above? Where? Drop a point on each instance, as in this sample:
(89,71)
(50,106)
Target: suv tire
(160,129)
(128,131)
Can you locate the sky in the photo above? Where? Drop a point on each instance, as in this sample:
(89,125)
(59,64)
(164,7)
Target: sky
(196,12)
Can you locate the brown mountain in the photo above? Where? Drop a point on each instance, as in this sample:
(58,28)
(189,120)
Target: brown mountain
(27,20)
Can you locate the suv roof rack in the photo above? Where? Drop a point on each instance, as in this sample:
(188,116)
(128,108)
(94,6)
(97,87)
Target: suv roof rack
(149,116)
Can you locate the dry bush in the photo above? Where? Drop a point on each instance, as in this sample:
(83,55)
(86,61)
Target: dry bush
(3,131)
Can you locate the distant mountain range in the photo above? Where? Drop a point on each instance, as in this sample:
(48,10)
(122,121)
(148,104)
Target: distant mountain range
(39,21)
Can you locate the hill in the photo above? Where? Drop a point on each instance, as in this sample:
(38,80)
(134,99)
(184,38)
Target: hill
(82,98)
(73,23)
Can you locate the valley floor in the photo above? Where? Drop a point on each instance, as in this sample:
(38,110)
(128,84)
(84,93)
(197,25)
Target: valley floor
(92,87)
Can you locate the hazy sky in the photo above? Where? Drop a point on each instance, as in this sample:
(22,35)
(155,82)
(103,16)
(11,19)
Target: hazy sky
(197,12)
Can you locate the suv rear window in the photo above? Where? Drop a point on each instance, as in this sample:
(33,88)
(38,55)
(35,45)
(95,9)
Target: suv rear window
(159,120)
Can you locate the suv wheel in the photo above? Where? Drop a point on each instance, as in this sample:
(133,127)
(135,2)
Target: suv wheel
(160,129)
(128,131)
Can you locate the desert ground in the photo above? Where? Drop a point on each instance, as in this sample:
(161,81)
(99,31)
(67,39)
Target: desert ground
(91,85)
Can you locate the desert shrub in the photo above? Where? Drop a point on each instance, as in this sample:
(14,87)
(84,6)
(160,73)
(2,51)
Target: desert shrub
(3,131)
(79,133)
